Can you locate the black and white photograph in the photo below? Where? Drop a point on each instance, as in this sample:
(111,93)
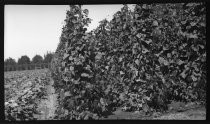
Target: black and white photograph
(143,61)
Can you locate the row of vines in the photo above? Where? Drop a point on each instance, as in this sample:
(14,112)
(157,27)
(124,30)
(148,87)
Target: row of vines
(140,60)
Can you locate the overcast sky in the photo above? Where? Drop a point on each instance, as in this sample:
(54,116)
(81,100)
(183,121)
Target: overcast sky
(35,29)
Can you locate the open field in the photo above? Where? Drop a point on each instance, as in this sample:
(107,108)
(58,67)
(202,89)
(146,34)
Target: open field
(25,92)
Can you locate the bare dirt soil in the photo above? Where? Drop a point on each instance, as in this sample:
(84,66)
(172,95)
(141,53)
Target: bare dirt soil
(48,106)
(191,114)
(194,113)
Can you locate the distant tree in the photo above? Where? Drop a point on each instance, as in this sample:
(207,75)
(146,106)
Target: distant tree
(23,62)
(10,64)
(37,59)
(48,57)
(10,61)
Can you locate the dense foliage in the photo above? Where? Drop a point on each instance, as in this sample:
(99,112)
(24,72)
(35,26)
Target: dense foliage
(140,60)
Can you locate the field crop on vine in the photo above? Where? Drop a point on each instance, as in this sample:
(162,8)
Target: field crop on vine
(141,60)
(23,92)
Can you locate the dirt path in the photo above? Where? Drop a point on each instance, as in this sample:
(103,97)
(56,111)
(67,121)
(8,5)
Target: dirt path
(48,106)
(191,114)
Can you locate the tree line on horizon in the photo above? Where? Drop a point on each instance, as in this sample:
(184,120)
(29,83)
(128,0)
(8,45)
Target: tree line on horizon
(24,62)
